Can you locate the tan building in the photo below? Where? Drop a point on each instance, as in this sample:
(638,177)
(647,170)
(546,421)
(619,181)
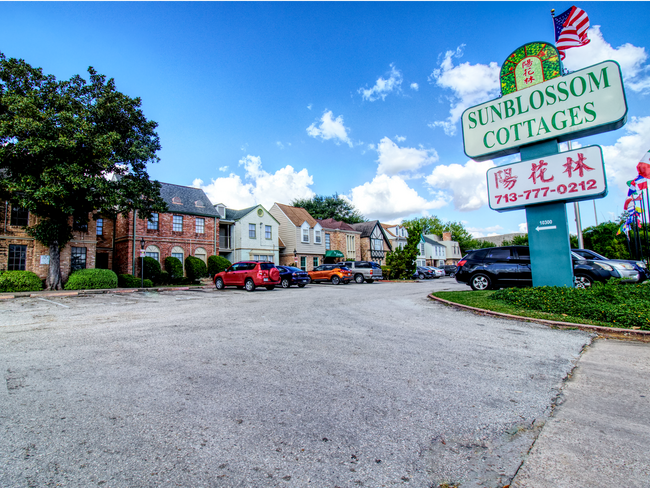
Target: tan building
(342,242)
(302,236)
(453,253)
(374,242)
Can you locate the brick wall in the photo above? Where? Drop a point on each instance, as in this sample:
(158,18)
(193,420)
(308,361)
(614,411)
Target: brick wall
(338,241)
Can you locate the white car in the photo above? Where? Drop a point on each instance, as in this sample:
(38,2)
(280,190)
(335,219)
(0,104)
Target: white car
(438,273)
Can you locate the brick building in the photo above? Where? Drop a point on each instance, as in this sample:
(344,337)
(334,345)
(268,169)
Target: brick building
(342,242)
(374,241)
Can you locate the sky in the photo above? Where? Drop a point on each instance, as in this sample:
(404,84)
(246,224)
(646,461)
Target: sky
(271,102)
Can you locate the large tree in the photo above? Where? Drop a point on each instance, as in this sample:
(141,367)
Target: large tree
(333,207)
(433,225)
(401,261)
(69,148)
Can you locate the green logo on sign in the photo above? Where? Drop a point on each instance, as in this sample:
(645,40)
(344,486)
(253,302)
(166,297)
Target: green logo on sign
(529,65)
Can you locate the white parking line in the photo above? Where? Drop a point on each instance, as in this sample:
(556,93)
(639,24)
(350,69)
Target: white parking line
(59,304)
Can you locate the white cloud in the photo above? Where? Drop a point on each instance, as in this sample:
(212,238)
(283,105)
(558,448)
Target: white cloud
(400,138)
(470,84)
(330,128)
(279,144)
(621,158)
(494,230)
(389,198)
(523,228)
(309,106)
(383,86)
(285,185)
(415,86)
(394,159)
(466,183)
(631,58)
(223,168)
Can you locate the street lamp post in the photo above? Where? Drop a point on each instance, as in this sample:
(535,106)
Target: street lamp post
(142,260)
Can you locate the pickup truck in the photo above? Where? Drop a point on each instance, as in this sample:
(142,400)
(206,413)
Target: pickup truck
(364,271)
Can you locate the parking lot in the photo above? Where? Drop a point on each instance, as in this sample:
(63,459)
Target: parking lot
(349,385)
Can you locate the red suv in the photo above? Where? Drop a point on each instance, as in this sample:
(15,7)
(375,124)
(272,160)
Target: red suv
(249,275)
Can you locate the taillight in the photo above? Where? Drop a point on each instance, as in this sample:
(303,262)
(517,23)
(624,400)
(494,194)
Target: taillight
(370,272)
(461,263)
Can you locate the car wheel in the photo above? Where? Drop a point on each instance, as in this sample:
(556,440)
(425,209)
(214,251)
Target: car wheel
(335,280)
(219,284)
(421,276)
(452,275)
(285,283)
(270,287)
(249,285)
(480,282)
(358,278)
(583,281)
(301,286)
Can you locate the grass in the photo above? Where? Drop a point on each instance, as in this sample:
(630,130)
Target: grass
(481,299)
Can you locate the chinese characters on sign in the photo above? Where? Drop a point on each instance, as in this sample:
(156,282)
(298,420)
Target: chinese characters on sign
(568,176)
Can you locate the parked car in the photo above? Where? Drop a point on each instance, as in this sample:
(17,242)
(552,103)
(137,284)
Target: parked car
(422,273)
(363,270)
(499,267)
(292,276)
(438,273)
(330,272)
(450,269)
(640,266)
(248,275)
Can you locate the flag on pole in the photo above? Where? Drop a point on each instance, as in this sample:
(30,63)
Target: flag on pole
(571,29)
(643,169)
(641,182)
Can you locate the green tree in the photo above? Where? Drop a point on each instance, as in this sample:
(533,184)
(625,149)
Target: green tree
(602,239)
(433,225)
(68,148)
(401,261)
(517,241)
(333,207)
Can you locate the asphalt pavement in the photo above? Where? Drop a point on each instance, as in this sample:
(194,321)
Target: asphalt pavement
(348,385)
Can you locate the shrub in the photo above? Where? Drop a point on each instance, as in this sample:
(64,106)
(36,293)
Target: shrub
(87,279)
(130,281)
(151,269)
(195,268)
(217,264)
(164,278)
(626,306)
(174,267)
(20,281)
(385,272)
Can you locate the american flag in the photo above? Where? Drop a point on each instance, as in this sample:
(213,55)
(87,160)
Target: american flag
(571,29)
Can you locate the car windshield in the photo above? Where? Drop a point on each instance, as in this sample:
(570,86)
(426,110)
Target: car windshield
(293,270)
(577,256)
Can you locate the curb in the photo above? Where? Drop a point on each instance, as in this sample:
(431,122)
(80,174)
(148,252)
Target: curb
(609,332)
(54,294)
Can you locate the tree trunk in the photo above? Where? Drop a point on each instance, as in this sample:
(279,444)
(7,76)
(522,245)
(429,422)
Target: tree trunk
(54,274)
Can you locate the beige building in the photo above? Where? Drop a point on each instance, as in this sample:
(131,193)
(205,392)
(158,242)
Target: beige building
(453,253)
(302,236)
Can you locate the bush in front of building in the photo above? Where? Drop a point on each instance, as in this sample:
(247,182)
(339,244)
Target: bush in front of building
(217,264)
(130,281)
(151,269)
(385,272)
(89,279)
(195,268)
(164,278)
(11,281)
(174,267)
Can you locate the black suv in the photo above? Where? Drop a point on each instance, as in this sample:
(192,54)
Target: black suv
(500,267)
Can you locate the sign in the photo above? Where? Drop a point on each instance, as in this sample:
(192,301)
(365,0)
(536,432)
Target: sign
(583,103)
(143,253)
(528,66)
(568,176)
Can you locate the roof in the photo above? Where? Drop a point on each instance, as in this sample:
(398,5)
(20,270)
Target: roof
(387,229)
(280,243)
(432,241)
(335,224)
(232,214)
(297,215)
(366,229)
(187,200)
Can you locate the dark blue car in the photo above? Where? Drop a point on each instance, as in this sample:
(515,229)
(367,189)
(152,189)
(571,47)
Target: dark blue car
(292,276)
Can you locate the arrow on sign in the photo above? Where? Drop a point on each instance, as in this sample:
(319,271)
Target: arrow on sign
(547,227)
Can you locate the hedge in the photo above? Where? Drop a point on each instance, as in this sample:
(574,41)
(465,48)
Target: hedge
(130,281)
(217,264)
(11,281)
(620,305)
(174,268)
(151,269)
(87,279)
(195,268)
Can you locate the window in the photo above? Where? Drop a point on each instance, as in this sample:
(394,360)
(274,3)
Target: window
(499,253)
(267,232)
(201,254)
(152,252)
(78,258)
(317,236)
(305,234)
(350,247)
(315,262)
(377,244)
(152,223)
(303,263)
(251,231)
(19,216)
(200,225)
(263,257)
(17,258)
(177,223)
(100,227)
(80,225)
(327,242)
(422,249)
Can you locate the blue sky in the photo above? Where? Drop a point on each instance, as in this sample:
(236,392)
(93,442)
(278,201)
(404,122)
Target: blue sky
(264,102)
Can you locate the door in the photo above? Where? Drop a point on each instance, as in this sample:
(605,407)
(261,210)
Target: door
(501,263)
(231,274)
(525,274)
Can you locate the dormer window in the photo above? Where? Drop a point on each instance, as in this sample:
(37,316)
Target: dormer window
(199,204)
(221,210)
(305,234)
(177,201)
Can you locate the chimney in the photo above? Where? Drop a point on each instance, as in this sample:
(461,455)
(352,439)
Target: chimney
(446,236)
